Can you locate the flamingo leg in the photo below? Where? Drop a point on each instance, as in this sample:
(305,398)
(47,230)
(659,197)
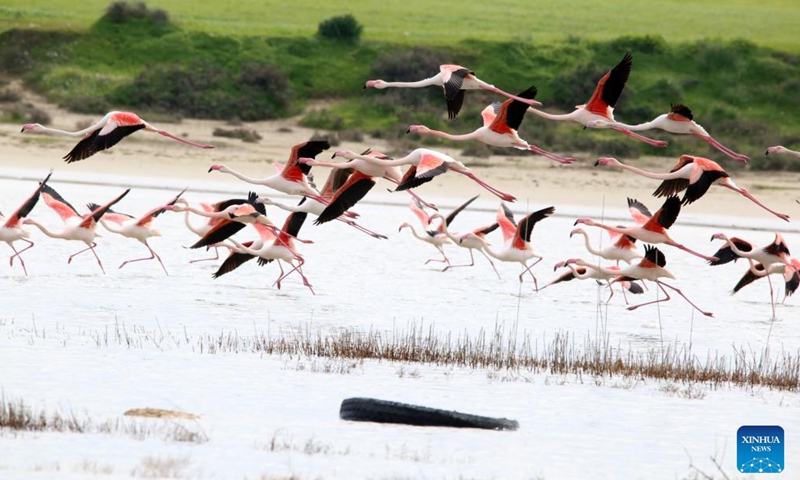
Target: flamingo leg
(662,285)
(444,257)
(153,255)
(299,269)
(216,257)
(753,199)
(90,247)
(17,255)
(642,138)
(471,264)
(503,196)
(528,270)
(174,137)
(771,295)
(550,155)
(727,151)
(658,300)
(490,262)
(689,250)
(363,229)
(527,101)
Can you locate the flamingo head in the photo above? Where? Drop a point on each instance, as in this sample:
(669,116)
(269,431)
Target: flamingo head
(572,261)
(216,167)
(470,236)
(775,149)
(305,161)
(607,161)
(379,84)
(575,232)
(560,264)
(344,154)
(583,221)
(404,225)
(596,124)
(718,236)
(421,129)
(177,208)
(265,200)
(31,127)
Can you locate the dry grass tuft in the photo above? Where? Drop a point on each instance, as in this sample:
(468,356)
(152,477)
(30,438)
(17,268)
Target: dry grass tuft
(157,467)
(280,442)
(159,413)
(243,134)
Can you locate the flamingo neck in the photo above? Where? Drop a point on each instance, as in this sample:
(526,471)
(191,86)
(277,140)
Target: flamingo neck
(653,175)
(450,136)
(243,177)
(45,230)
(111,226)
(65,133)
(588,244)
(418,84)
(189,225)
(553,116)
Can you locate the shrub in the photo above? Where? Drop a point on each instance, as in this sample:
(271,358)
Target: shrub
(7,95)
(243,134)
(86,104)
(343,28)
(133,18)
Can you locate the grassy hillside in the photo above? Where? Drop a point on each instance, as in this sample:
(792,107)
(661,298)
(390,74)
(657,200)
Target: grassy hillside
(742,92)
(771,23)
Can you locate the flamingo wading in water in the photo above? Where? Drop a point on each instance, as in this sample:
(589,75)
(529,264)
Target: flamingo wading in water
(11,228)
(693,174)
(500,125)
(601,105)
(454,79)
(679,121)
(106,133)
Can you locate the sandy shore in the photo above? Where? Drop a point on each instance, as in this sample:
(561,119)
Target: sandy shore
(532,179)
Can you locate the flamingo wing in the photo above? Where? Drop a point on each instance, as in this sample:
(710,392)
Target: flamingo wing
(486,230)
(453,93)
(726,254)
(679,112)
(336,180)
(665,216)
(27,206)
(291,226)
(625,242)
(309,149)
(119,126)
(792,277)
(653,257)
(111,215)
(148,217)
(525,226)
(778,247)
(57,203)
(345,197)
(749,277)
(512,112)
(639,212)
(218,233)
(454,213)
(505,218)
(416,209)
(429,166)
(490,112)
(265,233)
(610,87)
(234,261)
(702,182)
(675,185)
(94,216)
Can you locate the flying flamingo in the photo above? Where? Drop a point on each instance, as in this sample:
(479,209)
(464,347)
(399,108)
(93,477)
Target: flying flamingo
(424,165)
(139,229)
(651,267)
(601,105)
(500,124)
(679,121)
(211,221)
(734,248)
(11,228)
(282,248)
(624,247)
(435,237)
(583,273)
(470,243)
(106,133)
(693,174)
(370,168)
(76,226)
(237,257)
(292,179)
(518,247)
(781,149)
(655,229)
(791,275)
(454,79)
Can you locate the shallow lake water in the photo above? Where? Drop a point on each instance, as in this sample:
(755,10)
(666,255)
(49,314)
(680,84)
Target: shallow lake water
(50,319)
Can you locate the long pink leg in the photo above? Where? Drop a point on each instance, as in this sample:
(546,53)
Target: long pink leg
(414,195)
(662,284)
(91,247)
(727,151)
(216,257)
(689,250)
(17,255)
(446,260)
(649,141)
(153,255)
(363,229)
(666,299)
(527,101)
(528,269)
(471,264)
(490,262)
(504,196)
(772,295)
(550,155)
(174,137)
(299,269)
(753,199)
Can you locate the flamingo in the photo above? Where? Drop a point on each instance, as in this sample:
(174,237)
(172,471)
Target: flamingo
(454,79)
(292,179)
(582,273)
(655,229)
(651,267)
(781,149)
(518,247)
(791,276)
(601,105)
(211,221)
(282,248)
(624,247)
(734,248)
(500,124)
(679,121)
(106,133)
(139,229)
(370,168)
(11,228)
(435,237)
(693,174)
(426,164)
(76,226)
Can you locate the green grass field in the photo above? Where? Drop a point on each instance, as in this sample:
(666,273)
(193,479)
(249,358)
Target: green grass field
(771,23)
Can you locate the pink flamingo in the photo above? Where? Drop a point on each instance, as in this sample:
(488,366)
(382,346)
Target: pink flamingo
(583,273)
(435,237)
(292,180)
(655,229)
(693,174)
(623,247)
(454,79)
(424,165)
(781,149)
(791,275)
(76,226)
(139,229)
(518,247)
(679,121)
(11,228)
(500,124)
(651,267)
(601,105)
(106,133)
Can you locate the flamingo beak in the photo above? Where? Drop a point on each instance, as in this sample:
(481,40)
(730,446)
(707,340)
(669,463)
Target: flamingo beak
(408,130)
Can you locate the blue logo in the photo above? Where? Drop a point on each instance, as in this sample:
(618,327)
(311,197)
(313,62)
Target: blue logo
(760,449)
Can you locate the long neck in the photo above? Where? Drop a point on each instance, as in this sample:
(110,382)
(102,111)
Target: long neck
(385,163)
(203,213)
(242,177)
(599,268)
(189,225)
(635,128)
(416,234)
(291,208)
(65,133)
(586,242)
(44,229)
(111,226)
(644,173)
(610,228)
(418,84)
(552,116)
(450,136)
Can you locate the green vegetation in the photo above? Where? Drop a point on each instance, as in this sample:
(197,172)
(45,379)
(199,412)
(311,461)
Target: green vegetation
(134,57)
(344,28)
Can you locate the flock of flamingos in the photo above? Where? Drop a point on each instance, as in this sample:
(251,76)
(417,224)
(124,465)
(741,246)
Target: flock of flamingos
(350,180)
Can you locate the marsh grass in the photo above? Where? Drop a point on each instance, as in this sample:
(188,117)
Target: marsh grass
(17,416)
